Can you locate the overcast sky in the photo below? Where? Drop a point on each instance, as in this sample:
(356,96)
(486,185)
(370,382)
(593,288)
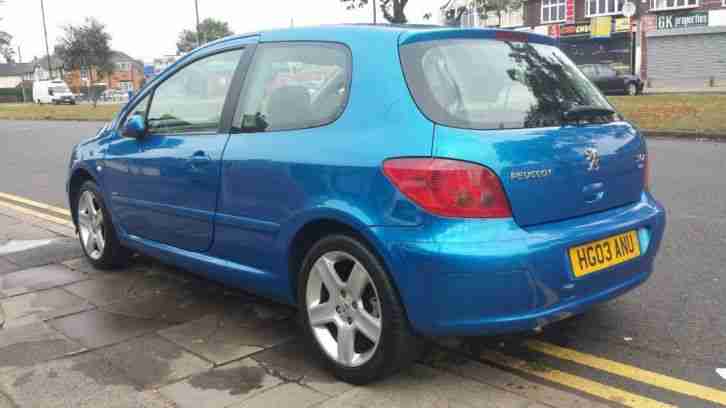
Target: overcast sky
(146,29)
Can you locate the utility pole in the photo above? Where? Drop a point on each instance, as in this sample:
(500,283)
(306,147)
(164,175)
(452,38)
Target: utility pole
(199,34)
(45,33)
(374,12)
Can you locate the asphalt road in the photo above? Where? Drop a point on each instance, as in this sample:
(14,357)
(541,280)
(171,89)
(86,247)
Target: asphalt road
(675,324)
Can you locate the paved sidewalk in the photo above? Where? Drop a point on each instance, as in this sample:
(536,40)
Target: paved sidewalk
(155,336)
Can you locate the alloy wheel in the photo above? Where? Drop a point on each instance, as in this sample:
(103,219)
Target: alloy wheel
(343,309)
(632,90)
(91,225)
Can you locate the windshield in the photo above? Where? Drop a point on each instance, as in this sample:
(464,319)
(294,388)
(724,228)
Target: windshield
(60,89)
(492,84)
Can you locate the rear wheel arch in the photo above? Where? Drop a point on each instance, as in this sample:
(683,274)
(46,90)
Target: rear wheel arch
(313,231)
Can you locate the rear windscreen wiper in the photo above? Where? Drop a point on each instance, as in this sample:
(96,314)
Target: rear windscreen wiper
(585,111)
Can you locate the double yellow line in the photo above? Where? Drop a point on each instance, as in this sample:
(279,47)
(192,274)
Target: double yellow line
(584,385)
(49,213)
(599,390)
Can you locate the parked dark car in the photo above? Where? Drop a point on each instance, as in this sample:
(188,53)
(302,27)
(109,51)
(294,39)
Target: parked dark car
(611,81)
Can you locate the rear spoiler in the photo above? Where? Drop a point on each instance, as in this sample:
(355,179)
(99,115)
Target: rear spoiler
(414,36)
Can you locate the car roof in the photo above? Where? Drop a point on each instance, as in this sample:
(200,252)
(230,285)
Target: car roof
(400,33)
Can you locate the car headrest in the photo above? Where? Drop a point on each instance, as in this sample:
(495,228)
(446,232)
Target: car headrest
(288,106)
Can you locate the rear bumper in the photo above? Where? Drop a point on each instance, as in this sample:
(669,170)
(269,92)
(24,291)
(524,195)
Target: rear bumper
(475,277)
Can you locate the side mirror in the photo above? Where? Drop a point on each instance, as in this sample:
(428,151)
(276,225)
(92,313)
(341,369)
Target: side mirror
(135,127)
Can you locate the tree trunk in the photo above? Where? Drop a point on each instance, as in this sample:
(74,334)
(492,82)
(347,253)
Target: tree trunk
(92,88)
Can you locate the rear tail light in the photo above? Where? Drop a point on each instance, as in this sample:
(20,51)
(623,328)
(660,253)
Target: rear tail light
(449,188)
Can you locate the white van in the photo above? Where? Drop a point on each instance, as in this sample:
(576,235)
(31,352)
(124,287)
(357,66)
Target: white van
(55,92)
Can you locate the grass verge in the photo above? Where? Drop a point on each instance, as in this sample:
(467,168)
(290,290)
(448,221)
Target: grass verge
(680,114)
(19,111)
(688,115)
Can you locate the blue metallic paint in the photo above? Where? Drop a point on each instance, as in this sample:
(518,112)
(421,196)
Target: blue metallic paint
(454,276)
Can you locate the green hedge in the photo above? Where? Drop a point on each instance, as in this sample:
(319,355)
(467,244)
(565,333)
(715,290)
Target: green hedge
(15,94)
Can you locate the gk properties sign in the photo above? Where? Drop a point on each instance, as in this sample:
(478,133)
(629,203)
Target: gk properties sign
(681,20)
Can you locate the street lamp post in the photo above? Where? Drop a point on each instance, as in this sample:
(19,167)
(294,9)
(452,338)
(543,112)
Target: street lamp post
(199,34)
(374,12)
(45,33)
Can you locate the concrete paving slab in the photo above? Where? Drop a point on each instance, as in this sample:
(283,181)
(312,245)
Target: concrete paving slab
(221,387)
(81,265)
(44,277)
(284,396)
(43,305)
(221,340)
(57,251)
(170,307)
(295,361)
(30,344)
(152,361)
(5,402)
(111,287)
(423,387)
(96,328)
(85,380)
(6,267)
(22,231)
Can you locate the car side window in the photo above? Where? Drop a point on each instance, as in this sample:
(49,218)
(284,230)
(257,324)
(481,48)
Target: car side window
(607,71)
(192,99)
(294,86)
(588,71)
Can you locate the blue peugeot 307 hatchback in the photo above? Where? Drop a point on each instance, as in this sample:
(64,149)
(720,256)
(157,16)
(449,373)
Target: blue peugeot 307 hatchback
(391,182)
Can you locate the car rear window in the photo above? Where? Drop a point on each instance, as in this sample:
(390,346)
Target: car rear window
(494,84)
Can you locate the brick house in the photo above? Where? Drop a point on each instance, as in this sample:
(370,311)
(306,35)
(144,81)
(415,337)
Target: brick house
(127,75)
(670,43)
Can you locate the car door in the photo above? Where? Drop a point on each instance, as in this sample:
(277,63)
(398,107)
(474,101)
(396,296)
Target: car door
(164,185)
(598,79)
(613,82)
(292,94)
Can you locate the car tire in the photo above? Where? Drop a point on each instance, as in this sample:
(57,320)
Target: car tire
(96,232)
(367,311)
(632,89)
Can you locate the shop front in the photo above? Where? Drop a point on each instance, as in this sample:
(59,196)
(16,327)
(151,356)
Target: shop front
(686,49)
(600,40)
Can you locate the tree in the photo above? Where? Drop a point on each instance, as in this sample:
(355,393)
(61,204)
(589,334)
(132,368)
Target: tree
(484,7)
(86,47)
(209,30)
(392,9)
(6,50)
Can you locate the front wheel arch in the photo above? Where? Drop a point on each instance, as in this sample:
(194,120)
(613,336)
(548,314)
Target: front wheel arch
(79,177)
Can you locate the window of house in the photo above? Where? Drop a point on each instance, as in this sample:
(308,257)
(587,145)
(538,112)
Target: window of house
(294,86)
(673,4)
(191,100)
(84,73)
(553,11)
(604,7)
